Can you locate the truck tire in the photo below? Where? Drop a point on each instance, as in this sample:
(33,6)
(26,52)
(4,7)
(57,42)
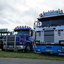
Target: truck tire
(27,49)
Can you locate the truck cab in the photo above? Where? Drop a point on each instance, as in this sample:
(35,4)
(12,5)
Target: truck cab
(49,32)
(21,40)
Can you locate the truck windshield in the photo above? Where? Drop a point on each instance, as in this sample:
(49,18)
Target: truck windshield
(53,23)
(21,32)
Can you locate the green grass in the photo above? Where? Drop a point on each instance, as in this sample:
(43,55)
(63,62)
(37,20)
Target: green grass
(30,56)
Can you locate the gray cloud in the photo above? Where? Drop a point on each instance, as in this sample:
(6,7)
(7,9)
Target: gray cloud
(3,22)
(25,12)
(31,12)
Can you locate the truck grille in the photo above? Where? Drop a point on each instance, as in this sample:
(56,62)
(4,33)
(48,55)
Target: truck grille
(49,36)
(10,39)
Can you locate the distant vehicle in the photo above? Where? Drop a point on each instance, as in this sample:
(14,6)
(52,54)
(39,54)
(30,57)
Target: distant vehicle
(49,32)
(3,33)
(21,40)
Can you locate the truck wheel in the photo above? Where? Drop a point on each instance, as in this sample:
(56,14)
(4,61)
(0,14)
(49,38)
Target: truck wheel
(27,49)
(3,50)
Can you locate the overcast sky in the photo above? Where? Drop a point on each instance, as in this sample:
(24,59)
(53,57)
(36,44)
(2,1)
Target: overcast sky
(24,12)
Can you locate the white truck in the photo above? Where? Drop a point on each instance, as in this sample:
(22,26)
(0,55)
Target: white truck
(49,32)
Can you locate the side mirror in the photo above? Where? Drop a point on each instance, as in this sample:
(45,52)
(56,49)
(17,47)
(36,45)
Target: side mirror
(31,33)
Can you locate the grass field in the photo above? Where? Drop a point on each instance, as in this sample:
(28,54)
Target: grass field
(30,55)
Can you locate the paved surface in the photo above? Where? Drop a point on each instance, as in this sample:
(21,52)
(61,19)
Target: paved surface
(28,61)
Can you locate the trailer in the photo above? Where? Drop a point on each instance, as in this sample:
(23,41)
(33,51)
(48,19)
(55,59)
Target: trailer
(49,32)
(21,40)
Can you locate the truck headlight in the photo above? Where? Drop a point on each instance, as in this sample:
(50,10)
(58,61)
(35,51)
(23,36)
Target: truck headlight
(62,47)
(38,49)
(21,43)
(37,42)
(59,50)
(21,46)
(62,42)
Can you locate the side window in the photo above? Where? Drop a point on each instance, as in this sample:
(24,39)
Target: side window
(31,33)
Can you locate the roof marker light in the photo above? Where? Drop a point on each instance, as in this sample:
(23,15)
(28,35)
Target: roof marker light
(43,11)
(52,10)
(58,9)
(61,10)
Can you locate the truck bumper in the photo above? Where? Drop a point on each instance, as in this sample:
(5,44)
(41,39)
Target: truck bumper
(10,47)
(20,47)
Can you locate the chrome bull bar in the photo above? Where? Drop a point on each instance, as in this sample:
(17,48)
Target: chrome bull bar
(10,39)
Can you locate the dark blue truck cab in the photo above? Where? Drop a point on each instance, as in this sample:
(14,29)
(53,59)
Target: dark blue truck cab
(21,40)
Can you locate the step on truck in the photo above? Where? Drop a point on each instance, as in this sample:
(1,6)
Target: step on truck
(49,32)
(21,40)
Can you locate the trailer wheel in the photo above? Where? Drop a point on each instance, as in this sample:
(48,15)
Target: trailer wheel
(27,49)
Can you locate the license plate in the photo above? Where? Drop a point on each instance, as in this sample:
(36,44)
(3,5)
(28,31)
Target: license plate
(49,50)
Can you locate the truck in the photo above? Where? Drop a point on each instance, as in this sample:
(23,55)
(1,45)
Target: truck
(21,40)
(49,32)
(3,32)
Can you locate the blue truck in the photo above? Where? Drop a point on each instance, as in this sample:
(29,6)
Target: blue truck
(49,32)
(21,40)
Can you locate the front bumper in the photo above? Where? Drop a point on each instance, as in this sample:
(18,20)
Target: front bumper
(17,47)
(8,47)
(20,47)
